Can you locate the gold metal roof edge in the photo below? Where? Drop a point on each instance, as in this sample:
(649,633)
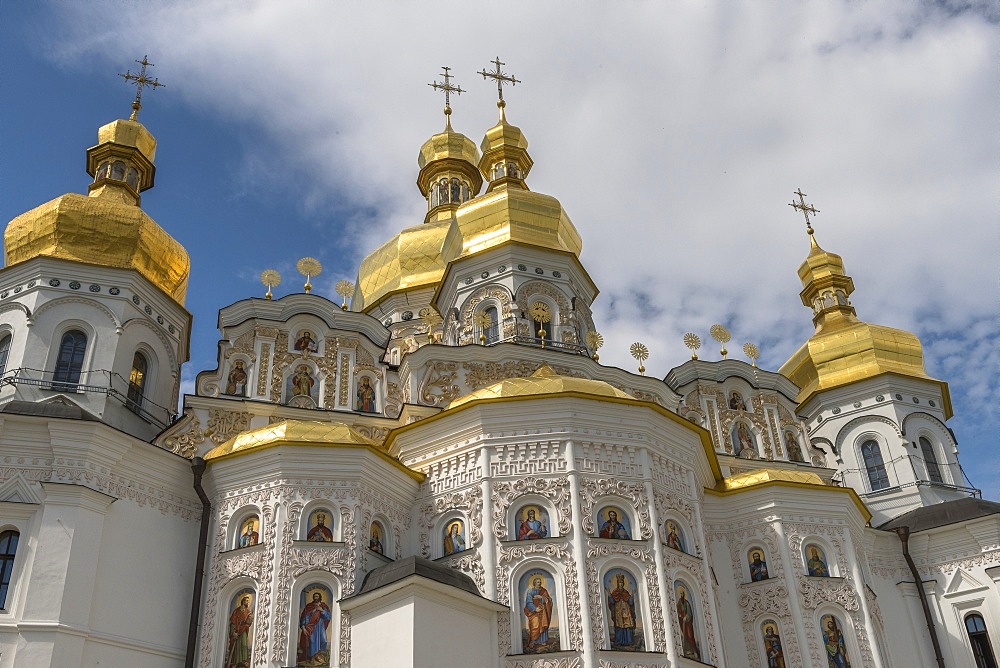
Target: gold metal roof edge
(714,491)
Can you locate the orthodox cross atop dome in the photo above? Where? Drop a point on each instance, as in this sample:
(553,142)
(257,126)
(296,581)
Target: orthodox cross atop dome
(806,209)
(447,88)
(500,77)
(139,80)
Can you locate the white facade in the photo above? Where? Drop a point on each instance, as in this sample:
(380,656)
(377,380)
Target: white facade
(337,445)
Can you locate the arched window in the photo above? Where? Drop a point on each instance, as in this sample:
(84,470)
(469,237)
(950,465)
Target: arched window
(877,477)
(118,170)
(792,444)
(4,352)
(930,460)
(975,625)
(137,382)
(456,190)
(70,361)
(8,547)
(492,331)
(103,172)
(132,178)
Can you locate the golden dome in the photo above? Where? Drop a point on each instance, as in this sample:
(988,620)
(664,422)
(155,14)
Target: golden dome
(411,259)
(448,154)
(103,229)
(509,213)
(291,432)
(543,381)
(106,228)
(844,349)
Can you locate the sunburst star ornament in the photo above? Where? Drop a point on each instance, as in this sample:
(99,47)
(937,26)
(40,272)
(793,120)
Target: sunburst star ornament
(272,279)
(693,342)
(309,267)
(722,335)
(641,353)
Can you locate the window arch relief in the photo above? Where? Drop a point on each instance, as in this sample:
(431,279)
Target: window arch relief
(539,621)
(8,550)
(930,459)
(315,615)
(239,637)
(624,613)
(874,465)
(687,619)
(320,526)
(4,353)
(454,539)
(833,639)
(979,638)
(757,564)
(249,533)
(69,362)
(137,381)
(613,522)
(816,561)
(531,521)
(675,537)
(774,652)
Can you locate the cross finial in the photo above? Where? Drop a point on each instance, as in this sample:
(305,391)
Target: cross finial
(140,80)
(806,209)
(500,77)
(448,89)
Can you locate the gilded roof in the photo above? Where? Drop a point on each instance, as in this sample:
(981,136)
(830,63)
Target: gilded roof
(291,432)
(543,381)
(510,213)
(448,144)
(128,133)
(411,259)
(761,476)
(844,349)
(103,229)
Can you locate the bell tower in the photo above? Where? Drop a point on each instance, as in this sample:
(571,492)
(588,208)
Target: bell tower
(92,292)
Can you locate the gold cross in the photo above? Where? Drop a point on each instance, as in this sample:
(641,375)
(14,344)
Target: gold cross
(499,76)
(447,88)
(140,80)
(806,209)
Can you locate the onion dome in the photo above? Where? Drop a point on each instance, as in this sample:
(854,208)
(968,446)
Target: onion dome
(106,227)
(509,211)
(844,349)
(413,258)
(292,432)
(544,381)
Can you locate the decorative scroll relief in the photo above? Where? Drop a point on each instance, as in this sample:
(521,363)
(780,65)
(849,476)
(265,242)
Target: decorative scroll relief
(621,664)
(478,375)
(469,502)
(470,564)
(710,640)
(511,555)
(528,459)
(223,425)
(186,443)
(560,662)
(532,288)
(296,560)
(797,532)
(378,434)
(438,386)
(488,292)
(394,399)
(256,563)
(768,599)
(345,380)
(737,537)
(817,591)
(452,473)
(555,490)
(282,358)
(678,506)
(592,490)
(612,460)
(594,585)
(242,344)
(265,358)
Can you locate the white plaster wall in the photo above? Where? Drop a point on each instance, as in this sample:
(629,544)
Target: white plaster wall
(385,637)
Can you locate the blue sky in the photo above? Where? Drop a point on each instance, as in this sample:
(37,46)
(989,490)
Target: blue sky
(672,133)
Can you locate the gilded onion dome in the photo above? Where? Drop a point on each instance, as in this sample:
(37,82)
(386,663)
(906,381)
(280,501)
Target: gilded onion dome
(544,381)
(844,349)
(448,178)
(508,211)
(106,227)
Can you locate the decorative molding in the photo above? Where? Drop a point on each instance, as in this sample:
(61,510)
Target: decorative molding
(438,386)
(635,553)
(592,490)
(555,490)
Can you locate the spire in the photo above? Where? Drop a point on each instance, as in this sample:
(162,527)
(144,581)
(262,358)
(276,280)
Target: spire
(826,285)
(448,90)
(140,80)
(505,150)
(448,174)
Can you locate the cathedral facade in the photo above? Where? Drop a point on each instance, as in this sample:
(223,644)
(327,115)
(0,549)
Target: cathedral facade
(443,474)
